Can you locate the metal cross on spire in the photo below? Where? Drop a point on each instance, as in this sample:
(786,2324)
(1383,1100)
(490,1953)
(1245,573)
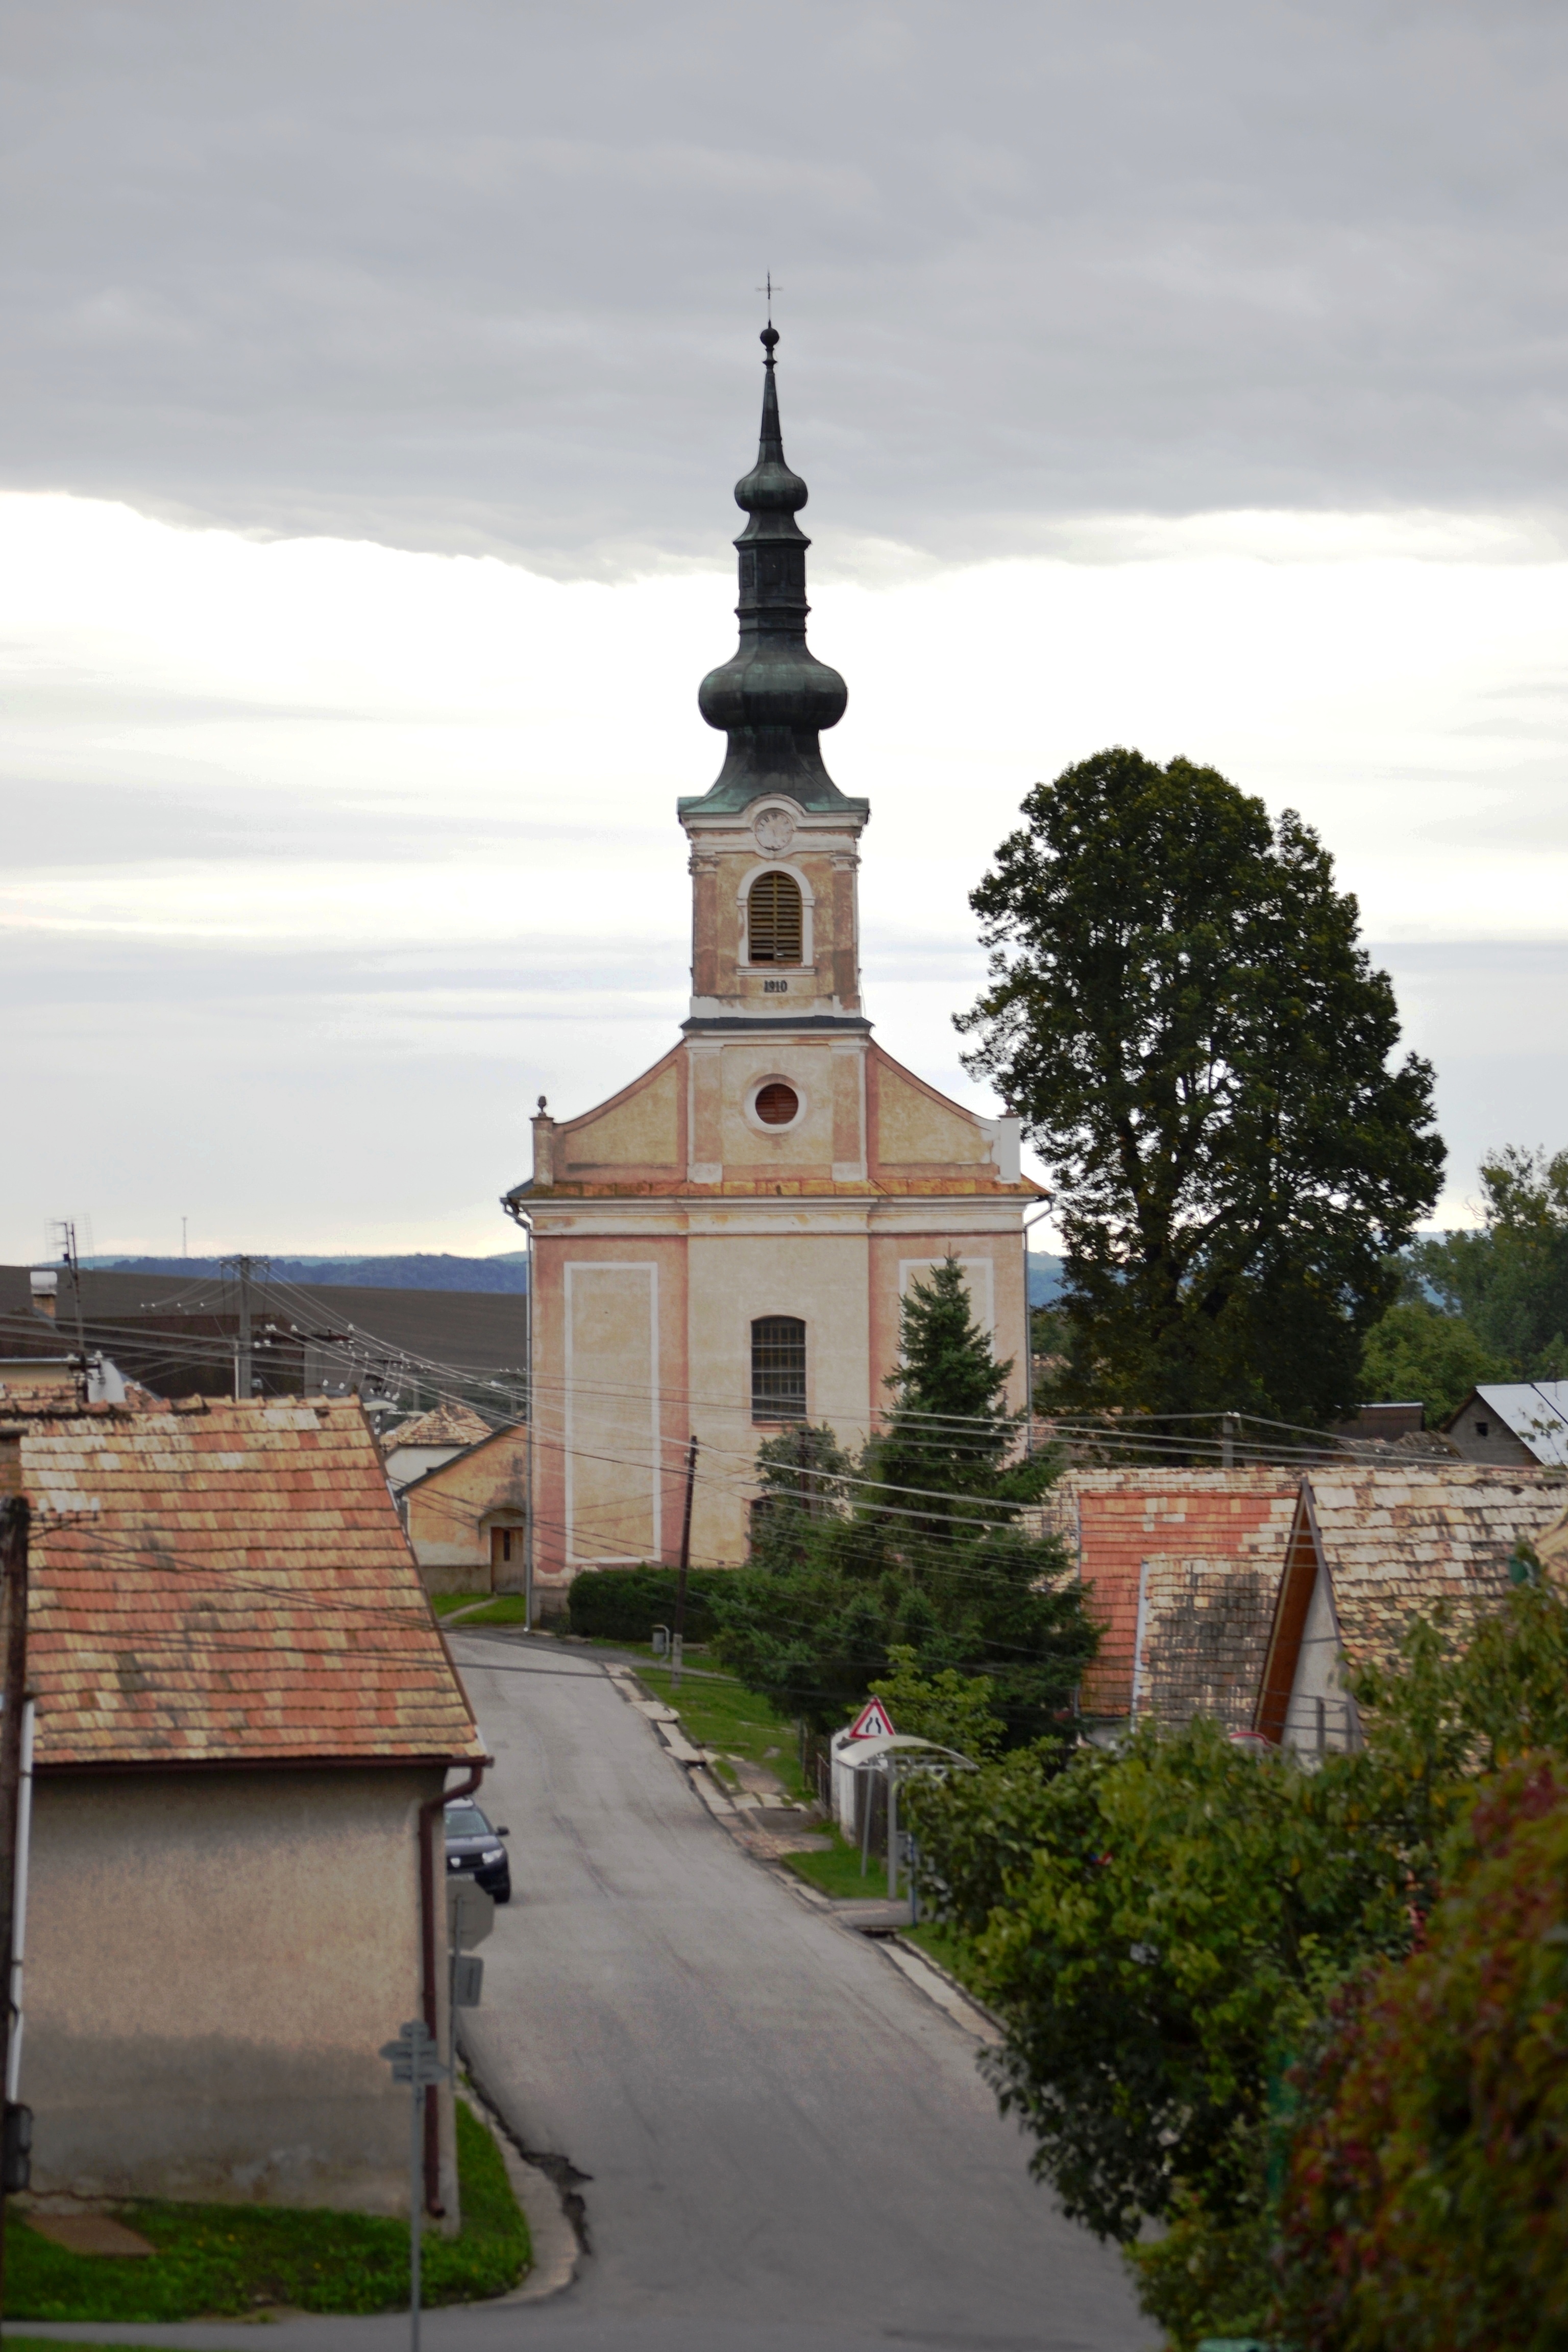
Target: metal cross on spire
(770,289)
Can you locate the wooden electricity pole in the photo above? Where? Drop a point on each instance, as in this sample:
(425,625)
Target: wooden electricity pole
(678,1635)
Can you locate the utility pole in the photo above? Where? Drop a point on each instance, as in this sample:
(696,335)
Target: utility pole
(15,1517)
(677,1637)
(63,1232)
(245,1268)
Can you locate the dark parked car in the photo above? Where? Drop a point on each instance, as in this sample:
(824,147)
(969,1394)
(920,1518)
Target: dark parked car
(474,1847)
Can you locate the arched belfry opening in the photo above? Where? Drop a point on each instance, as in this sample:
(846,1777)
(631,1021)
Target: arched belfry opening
(775,920)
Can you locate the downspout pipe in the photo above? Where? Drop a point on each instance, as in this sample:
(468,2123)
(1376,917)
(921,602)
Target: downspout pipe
(429,1902)
(1024,1231)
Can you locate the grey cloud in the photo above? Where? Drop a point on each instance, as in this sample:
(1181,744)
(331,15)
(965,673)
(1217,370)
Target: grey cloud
(86,825)
(475,274)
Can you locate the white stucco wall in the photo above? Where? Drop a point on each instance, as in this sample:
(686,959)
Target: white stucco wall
(1319,1678)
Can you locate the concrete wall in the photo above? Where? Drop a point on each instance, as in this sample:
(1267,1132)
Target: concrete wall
(214,1959)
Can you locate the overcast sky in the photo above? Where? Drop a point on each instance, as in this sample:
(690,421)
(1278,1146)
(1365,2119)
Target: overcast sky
(375,377)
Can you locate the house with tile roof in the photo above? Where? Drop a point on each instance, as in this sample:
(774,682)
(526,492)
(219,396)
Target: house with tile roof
(1369,1549)
(466,1516)
(1179,1569)
(428,1440)
(246,1723)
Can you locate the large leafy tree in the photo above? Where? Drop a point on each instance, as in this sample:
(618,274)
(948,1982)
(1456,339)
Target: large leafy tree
(912,1557)
(1419,1354)
(1509,1279)
(1180,1010)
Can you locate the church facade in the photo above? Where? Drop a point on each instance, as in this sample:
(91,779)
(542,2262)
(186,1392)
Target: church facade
(719,1250)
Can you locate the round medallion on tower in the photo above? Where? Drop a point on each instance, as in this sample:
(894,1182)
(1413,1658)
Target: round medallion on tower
(774,830)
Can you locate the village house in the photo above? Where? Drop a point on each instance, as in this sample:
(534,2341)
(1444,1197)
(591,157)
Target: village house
(720,1249)
(1179,1569)
(245,1721)
(465,1506)
(1515,1423)
(1370,1549)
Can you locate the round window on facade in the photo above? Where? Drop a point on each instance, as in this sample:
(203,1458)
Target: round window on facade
(777,1104)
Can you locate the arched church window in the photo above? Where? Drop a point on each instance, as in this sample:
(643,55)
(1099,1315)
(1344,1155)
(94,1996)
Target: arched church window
(778,1367)
(774,919)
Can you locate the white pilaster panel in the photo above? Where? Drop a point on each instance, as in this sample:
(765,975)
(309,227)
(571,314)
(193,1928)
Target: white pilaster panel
(614,1489)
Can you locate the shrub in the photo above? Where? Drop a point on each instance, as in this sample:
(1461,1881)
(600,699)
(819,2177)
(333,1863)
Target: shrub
(625,1604)
(1426,2204)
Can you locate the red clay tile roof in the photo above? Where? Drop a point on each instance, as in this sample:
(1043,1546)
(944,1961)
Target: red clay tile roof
(229,1585)
(1113,1521)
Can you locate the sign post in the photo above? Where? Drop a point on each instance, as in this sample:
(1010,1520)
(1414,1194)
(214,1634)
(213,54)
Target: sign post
(470,1916)
(873,1722)
(415,2062)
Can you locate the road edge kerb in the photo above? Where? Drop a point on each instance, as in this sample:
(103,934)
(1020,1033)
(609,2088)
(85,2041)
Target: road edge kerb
(916,1967)
(558,2239)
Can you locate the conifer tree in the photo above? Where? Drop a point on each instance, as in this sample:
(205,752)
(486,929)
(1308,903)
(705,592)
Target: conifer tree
(950,1431)
(914,1548)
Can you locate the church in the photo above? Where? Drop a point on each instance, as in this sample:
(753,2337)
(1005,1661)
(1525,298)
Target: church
(719,1250)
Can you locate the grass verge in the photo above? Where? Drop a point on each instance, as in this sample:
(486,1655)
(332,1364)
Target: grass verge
(838,1872)
(498,1608)
(717,1713)
(950,1952)
(227,2261)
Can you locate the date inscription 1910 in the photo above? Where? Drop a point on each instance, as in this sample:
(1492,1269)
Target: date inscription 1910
(775,988)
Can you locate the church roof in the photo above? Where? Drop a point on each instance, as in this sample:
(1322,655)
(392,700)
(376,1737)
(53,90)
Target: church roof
(772,697)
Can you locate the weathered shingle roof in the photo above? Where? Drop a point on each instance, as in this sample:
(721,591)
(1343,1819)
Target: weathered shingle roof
(1112,1521)
(450,1423)
(1398,1541)
(1203,1634)
(229,1585)
(1395,1543)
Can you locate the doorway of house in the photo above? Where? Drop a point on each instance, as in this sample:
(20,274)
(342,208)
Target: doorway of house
(506,1558)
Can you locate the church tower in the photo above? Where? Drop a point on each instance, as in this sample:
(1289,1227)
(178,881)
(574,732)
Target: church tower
(719,1250)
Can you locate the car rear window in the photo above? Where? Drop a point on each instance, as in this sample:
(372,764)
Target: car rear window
(466,1821)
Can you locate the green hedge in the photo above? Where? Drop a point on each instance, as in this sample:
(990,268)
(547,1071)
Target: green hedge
(625,1604)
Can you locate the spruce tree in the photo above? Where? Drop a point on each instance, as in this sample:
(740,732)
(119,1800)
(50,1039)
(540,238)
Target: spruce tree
(914,1549)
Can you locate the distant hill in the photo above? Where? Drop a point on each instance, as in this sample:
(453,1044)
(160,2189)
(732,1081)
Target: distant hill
(437,1270)
(1044,1278)
(421,1270)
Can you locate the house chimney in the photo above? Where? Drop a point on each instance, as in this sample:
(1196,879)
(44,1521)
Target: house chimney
(543,1149)
(46,1291)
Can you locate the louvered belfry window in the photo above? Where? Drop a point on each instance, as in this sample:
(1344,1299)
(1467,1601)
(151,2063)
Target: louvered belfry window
(775,922)
(778,1367)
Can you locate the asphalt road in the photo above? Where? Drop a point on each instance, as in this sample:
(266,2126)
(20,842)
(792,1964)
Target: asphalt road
(788,2147)
(776,2125)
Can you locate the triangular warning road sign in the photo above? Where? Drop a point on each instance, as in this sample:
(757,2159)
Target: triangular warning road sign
(873,1722)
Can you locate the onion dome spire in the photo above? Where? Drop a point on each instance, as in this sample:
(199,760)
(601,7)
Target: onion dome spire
(771,696)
